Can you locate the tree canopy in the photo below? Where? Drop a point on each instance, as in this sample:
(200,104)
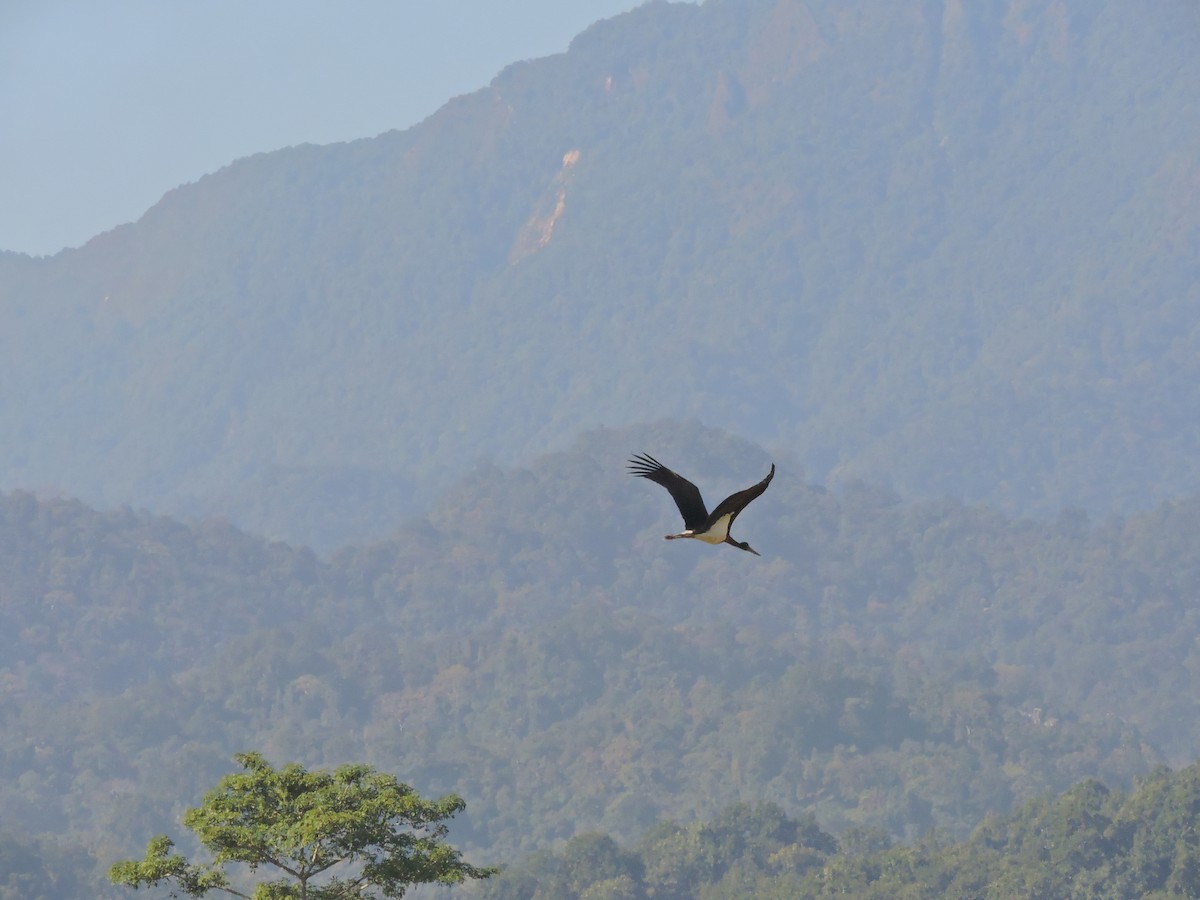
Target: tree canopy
(1090,841)
(352,832)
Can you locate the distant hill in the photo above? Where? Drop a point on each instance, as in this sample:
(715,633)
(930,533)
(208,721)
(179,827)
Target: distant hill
(950,247)
(535,645)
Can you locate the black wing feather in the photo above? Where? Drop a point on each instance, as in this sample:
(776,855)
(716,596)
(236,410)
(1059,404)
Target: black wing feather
(685,494)
(735,503)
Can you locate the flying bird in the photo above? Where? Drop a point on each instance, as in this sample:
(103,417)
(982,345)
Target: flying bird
(699,523)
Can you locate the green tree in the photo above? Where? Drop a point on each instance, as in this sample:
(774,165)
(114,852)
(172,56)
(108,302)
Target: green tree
(360,832)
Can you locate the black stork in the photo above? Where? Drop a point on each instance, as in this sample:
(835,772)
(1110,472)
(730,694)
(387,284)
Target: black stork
(699,523)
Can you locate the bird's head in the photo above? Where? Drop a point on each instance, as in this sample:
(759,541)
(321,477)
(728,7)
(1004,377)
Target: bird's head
(743,545)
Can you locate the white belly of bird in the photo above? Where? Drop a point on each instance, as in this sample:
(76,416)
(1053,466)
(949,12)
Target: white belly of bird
(716,534)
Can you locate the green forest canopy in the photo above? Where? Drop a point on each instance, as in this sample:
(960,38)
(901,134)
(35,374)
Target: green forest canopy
(885,665)
(1090,841)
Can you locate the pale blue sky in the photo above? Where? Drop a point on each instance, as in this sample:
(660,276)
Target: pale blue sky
(107,106)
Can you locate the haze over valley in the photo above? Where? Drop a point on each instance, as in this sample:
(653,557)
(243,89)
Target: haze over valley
(323,456)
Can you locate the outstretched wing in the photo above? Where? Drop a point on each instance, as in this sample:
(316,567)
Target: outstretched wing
(735,503)
(685,494)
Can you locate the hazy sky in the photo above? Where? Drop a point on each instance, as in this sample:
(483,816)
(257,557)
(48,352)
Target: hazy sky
(107,106)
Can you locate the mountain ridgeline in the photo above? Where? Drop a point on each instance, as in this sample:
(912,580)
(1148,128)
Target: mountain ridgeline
(950,247)
(534,645)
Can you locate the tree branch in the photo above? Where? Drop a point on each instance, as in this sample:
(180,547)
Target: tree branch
(235,893)
(277,864)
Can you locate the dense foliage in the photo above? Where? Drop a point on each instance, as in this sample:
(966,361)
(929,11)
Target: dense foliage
(534,646)
(349,834)
(1089,842)
(947,246)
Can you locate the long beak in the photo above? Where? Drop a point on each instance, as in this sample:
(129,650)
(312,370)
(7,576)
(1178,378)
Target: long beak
(752,550)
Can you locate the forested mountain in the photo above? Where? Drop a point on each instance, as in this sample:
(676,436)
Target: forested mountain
(535,646)
(945,246)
